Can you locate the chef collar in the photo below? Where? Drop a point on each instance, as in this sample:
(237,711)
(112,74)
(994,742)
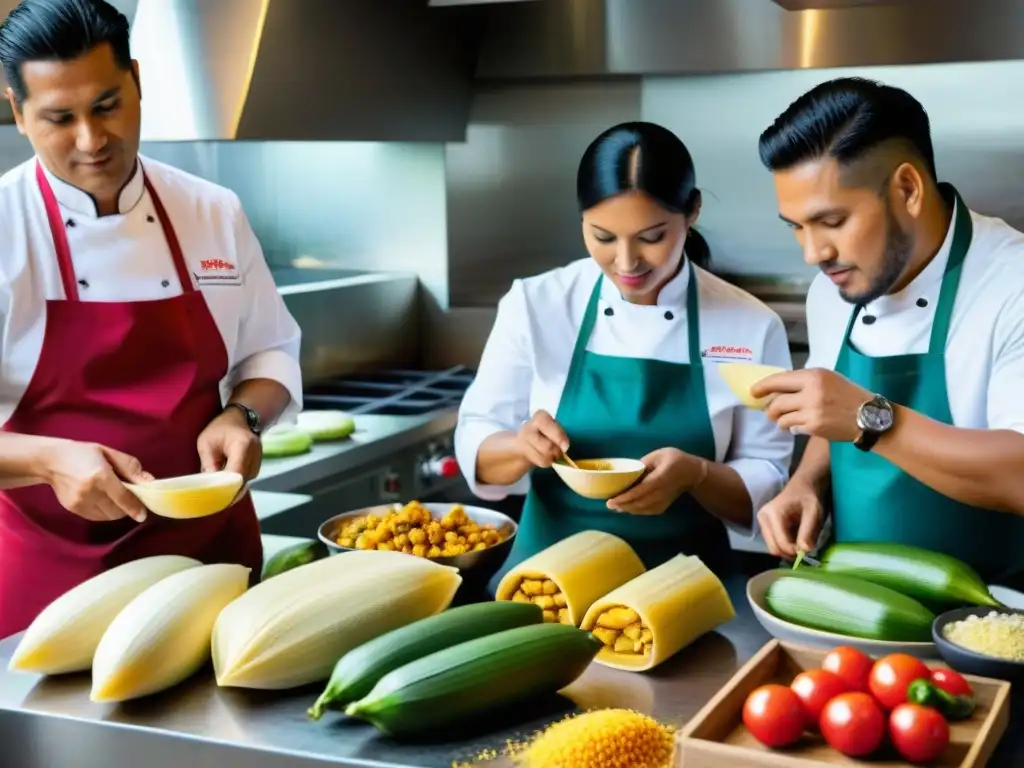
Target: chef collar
(82,203)
(672,294)
(923,290)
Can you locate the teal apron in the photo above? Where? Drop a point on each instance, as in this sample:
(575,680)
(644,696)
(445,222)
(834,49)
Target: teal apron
(622,407)
(873,499)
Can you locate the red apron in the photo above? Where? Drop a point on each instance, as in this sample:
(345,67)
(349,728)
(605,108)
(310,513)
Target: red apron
(141,377)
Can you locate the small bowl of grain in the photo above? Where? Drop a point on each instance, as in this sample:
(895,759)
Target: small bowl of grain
(982,641)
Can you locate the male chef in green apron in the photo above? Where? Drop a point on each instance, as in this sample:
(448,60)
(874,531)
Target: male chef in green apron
(913,395)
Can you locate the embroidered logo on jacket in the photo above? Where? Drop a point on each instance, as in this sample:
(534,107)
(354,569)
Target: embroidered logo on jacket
(727,352)
(217,272)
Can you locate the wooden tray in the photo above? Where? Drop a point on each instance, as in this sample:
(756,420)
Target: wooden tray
(716,737)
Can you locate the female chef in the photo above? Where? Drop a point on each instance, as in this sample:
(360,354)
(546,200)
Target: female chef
(614,356)
(134,303)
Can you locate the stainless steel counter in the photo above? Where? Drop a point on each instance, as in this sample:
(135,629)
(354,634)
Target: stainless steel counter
(50,723)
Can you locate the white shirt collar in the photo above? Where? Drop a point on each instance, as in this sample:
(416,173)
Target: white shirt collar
(927,281)
(672,294)
(82,203)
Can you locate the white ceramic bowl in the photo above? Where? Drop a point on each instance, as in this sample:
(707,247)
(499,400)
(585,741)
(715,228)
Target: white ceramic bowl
(815,638)
(600,483)
(189,496)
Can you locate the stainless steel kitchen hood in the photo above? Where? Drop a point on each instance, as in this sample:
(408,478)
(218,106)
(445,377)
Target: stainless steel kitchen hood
(587,38)
(302,70)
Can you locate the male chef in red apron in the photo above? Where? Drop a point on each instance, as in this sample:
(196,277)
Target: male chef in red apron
(142,335)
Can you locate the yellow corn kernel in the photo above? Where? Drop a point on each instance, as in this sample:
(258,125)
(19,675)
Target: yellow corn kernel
(563,616)
(520,597)
(634,631)
(560,600)
(606,636)
(624,645)
(550,616)
(617,618)
(420,550)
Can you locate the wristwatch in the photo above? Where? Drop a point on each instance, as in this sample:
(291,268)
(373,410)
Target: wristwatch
(252,419)
(875,418)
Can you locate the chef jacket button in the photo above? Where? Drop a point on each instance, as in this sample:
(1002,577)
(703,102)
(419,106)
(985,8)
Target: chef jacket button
(608,311)
(69,223)
(922,303)
(669,316)
(165,283)
(868,319)
(149,218)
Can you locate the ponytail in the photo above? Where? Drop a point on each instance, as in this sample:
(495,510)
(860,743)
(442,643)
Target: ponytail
(697,249)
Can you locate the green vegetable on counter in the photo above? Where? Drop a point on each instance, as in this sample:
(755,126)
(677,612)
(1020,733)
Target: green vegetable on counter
(281,441)
(293,556)
(933,578)
(848,606)
(359,670)
(477,677)
(326,425)
(927,694)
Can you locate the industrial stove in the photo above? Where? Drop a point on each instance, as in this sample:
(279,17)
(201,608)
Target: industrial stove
(402,448)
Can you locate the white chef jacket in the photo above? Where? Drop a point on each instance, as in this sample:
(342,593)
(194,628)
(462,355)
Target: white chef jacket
(124,257)
(526,361)
(985,347)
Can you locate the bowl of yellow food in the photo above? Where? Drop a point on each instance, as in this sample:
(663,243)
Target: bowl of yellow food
(465,537)
(740,377)
(189,496)
(599,478)
(982,641)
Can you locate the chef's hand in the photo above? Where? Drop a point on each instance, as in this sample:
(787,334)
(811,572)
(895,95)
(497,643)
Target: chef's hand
(541,440)
(228,444)
(86,479)
(814,402)
(792,520)
(670,473)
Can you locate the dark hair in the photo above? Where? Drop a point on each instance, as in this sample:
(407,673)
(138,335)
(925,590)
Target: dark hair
(59,30)
(648,158)
(843,119)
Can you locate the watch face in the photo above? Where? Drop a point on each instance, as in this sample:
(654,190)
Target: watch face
(876,419)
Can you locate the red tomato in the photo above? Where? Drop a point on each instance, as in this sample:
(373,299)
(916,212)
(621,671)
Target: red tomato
(892,675)
(920,734)
(853,723)
(816,688)
(951,682)
(775,715)
(850,665)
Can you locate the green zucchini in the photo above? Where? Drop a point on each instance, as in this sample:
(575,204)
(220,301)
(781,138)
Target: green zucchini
(933,578)
(293,556)
(360,669)
(477,677)
(848,606)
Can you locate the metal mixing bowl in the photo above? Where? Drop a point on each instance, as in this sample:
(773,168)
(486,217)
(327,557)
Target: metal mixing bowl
(480,563)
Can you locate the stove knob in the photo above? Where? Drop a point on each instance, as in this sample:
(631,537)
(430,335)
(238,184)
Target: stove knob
(448,466)
(439,466)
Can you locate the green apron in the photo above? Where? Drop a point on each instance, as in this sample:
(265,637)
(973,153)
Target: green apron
(873,499)
(622,407)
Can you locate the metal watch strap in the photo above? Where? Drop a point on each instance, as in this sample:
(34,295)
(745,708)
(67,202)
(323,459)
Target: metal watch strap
(252,419)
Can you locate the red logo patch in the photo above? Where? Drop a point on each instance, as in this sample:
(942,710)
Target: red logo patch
(216,265)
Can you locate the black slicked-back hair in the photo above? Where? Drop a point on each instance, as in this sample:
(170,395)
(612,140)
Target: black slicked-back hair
(648,158)
(59,30)
(843,119)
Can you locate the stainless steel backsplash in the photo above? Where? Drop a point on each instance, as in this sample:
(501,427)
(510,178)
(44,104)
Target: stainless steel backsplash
(511,185)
